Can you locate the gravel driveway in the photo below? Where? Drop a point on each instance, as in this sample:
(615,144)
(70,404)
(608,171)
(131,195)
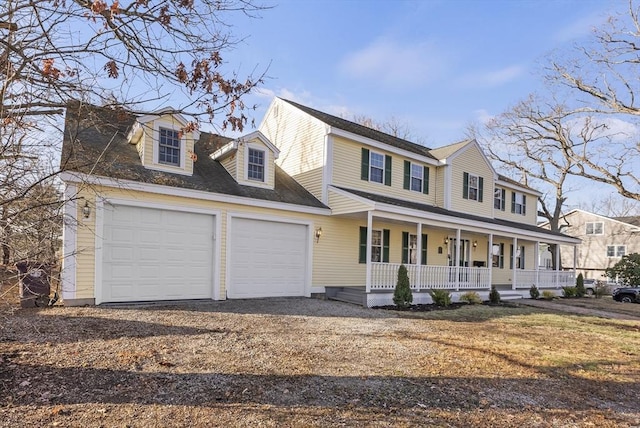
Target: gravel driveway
(308,362)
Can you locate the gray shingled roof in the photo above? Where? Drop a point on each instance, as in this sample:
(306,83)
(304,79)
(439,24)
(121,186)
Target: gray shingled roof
(441,211)
(95,143)
(633,220)
(363,131)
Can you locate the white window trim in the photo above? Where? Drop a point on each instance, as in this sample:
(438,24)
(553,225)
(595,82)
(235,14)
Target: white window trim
(264,161)
(615,251)
(411,177)
(502,198)
(519,199)
(415,249)
(477,187)
(156,147)
(267,165)
(594,223)
(371,153)
(375,246)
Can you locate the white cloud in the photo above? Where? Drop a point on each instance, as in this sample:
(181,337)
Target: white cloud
(483,116)
(492,78)
(395,64)
(579,28)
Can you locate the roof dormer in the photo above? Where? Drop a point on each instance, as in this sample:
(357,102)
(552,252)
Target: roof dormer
(250,160)
(163,144)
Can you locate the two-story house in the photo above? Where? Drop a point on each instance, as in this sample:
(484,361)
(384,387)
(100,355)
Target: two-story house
(604,241)
(307,204)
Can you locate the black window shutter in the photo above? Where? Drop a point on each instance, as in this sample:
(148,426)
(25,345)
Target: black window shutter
(503,202)
(522,258)
(425,180)
(524,204)
(362,258)
(385,245)
(465,185)
(407,175)
(480,190)
(364,168)
(423,257)
(513,202)
(405,247)
(501,255)
(387,170)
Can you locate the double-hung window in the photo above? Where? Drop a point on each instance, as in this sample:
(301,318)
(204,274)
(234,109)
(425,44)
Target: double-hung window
(497,258)
(169,147)
(616,250)
(379,245)
(499,199)
(255,165)
(416,177)
(519,257)
(472,187)
(376,166)
(594,228)
(518,203)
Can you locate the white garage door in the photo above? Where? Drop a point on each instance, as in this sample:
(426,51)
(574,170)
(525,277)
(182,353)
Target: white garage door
(267,259)
(153,254)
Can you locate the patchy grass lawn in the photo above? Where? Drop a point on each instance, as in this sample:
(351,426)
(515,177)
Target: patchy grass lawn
(307,362)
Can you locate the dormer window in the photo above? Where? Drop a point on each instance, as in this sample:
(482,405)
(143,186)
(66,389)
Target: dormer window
(255,165)
(169,147)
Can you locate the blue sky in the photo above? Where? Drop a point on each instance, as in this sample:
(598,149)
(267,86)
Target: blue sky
(435,65)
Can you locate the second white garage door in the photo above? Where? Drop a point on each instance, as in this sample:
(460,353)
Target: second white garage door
(153,254)
(267,259)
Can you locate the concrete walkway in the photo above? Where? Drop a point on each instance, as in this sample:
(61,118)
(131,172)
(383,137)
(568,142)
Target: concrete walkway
(549,304)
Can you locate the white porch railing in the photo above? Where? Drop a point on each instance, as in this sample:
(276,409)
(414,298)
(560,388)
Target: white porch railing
(385,275)
(544,278)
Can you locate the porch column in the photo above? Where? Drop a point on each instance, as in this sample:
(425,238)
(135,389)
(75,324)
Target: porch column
(369,227)
(490,260)
(575,260)
(514,274)
(536,258)
(557,272)
(458,259)
(419,245)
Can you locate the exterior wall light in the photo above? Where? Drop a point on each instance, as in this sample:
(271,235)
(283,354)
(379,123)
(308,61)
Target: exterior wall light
(475,243)
(446,240)
(86,210)
(318,234)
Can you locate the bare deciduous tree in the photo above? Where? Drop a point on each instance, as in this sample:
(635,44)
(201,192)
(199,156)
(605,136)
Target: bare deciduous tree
(137,55)
(602,76)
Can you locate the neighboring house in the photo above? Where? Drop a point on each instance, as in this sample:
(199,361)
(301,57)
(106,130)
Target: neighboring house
(310,203)
(604,241)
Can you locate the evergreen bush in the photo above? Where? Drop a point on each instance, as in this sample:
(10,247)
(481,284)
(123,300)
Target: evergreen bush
(534,292)
(580,290)
(569,292)
(494,295)
(402,295)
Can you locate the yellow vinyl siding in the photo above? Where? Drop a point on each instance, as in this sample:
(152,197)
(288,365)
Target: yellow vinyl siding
(342,204)
(531,215)
(471,161)
(86,235)
(300,139)
(230,163)
(346,173)
(439,186)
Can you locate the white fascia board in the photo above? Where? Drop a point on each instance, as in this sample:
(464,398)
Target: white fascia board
(634,228)
(260,136)
(188,193)
(471,225)
(516,187)
(225,150)
(382,146)
(472,143)
(171,111)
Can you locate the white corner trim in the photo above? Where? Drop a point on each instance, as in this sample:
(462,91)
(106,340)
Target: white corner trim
(327,170)
(70,245)
(447,186)
(98,286)
(188,193)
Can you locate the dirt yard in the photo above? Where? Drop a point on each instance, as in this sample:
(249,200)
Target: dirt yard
(306,362)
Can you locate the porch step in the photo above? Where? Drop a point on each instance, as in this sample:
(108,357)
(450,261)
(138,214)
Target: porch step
(356,296)
(510,296)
